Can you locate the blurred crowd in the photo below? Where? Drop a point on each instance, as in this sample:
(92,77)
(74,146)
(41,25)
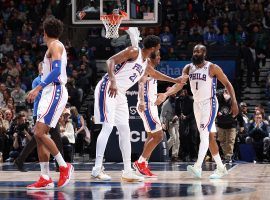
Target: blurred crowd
(223,26)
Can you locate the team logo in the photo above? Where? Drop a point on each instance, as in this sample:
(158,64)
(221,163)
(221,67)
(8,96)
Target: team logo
(132,110)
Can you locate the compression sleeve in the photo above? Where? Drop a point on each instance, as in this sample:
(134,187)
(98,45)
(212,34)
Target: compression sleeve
(53,76)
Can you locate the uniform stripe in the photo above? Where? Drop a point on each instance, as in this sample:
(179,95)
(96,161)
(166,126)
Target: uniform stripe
(56,98)
(102,98)
(119,67)
(213,105)
(54,89)
(147,112)
(57,105)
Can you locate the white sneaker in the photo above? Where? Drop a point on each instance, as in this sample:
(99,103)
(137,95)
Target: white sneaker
(219,172)
(99,174)
(195,171)
(131,176)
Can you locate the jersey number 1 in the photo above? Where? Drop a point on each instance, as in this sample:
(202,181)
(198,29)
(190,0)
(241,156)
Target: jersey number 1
(196,85)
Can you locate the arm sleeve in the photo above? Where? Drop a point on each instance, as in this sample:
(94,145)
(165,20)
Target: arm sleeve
(53,76)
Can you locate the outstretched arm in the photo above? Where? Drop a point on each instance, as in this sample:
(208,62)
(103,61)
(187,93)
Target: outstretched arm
(215,70)
(175,88)
(162,77)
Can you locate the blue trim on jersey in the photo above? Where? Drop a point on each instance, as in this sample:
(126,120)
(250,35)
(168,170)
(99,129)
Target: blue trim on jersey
(150,121)
(57,97)
(214,104)
(53,75)
(102,92)
(35,83)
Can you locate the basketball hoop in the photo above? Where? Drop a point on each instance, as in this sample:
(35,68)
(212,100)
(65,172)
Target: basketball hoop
(112,23)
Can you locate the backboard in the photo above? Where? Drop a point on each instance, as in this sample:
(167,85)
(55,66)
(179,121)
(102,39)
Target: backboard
(139,12)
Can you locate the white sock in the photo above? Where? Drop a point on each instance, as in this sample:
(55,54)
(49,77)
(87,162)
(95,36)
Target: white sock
(101,143)
(60,160)
(141,159)
(45,170)
(218,160)
(125,145)
(204,145)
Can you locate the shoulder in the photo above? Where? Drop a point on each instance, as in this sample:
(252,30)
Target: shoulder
(187,68)
(214,69)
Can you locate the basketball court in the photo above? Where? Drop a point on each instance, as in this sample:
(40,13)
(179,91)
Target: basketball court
(245,181)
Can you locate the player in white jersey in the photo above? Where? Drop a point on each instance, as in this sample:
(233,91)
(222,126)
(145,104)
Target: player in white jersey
(149,115)
(203,77)
(51,105)
(111,108)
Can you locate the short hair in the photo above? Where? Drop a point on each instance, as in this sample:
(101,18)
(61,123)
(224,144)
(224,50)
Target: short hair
(53,27)
(153,55)
(151,41)
(201,46)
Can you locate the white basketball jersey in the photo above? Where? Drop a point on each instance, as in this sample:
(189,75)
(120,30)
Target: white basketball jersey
(47,67)
(150,90)
(129,72)
(202,85)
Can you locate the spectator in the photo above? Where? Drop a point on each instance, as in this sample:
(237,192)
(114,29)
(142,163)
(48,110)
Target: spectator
(68,135)
(79,126)
(210,37)
(170,123)
(258,136)
(7,46)
(226,125)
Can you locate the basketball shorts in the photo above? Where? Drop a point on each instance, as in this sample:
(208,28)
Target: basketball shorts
(108,109)
(150,117)
(205,114)
(53,100)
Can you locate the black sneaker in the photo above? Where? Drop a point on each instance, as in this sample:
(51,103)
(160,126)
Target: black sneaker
(19,165)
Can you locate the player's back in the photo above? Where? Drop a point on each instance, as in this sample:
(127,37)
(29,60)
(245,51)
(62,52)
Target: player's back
(129,72)
(202,85)
(47,66)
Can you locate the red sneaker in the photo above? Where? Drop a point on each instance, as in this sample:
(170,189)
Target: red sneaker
(65,175)
(41,184)
(143,169)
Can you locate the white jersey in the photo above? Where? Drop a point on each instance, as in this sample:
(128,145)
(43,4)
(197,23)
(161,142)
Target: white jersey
(150,90)
(202,85)
(47,66)
(129,72)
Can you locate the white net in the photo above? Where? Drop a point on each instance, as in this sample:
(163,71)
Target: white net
(112,23)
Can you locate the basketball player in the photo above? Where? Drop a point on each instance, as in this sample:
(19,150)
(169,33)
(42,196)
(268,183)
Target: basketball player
(203,76)
(32,144)
(51,105)
(111,108)
(149,114)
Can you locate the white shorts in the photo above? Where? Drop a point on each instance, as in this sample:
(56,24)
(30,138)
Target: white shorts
(205,114)
(53,100)
(107,109)
(150,118)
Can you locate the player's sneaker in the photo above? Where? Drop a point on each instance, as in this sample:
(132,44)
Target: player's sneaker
(99,174)
(219,172)
(195,171)
(41,184)
(65,175)
(131,176)
(143,169)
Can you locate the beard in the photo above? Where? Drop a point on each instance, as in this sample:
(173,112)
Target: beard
(196,60)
